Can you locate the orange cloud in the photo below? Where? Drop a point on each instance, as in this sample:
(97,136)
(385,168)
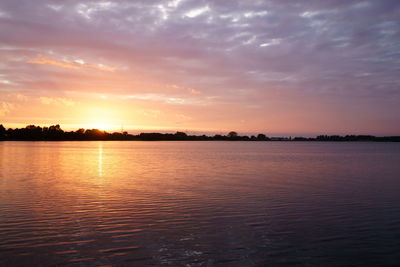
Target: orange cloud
(5,108)
(56,101)
(78,64)
(194,91)
(42,60)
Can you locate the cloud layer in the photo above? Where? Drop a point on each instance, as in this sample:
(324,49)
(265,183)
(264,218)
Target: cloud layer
(275,66)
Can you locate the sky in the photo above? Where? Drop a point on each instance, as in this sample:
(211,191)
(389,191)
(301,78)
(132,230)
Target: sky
(274,67)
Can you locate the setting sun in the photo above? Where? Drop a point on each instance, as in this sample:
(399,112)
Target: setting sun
(102,118)
(101,126)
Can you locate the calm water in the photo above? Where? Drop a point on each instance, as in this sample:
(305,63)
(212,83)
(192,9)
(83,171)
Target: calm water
(199,204)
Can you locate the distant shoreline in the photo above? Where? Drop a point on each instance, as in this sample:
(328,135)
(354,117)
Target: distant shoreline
(55,133)
(276,141)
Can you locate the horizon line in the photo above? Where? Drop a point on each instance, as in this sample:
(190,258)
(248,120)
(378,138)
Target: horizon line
(138,131)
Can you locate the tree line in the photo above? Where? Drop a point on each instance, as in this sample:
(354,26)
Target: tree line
(55,133)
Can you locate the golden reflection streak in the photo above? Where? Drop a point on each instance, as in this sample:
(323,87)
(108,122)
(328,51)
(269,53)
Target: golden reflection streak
(100,160)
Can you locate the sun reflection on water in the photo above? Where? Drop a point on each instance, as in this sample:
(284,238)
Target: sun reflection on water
(100,160)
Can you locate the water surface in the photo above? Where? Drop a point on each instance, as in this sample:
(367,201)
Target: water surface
(199,204)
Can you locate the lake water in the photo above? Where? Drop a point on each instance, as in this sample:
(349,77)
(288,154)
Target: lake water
(199,204)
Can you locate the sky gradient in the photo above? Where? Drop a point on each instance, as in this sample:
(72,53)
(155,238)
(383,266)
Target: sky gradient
(276,67)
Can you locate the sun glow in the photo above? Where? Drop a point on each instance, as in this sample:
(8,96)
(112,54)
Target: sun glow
(104,119)
(101,126)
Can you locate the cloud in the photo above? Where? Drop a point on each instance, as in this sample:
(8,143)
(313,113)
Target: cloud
(194,91)
(5,108)
(151,113)
(222,42)
(182,117)
(197,12)
(58,101)
(77,64)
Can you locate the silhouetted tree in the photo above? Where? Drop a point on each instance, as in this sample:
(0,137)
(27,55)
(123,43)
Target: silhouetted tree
(261,137)
(55,128)
(54,132)
(219,137)
(95,134)
(181,136)
(232,135)
(2,132)
(33,132)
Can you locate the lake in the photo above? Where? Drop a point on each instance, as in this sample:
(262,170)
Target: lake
(199,204)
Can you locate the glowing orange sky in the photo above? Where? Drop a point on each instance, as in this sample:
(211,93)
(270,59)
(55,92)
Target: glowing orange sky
(267,66)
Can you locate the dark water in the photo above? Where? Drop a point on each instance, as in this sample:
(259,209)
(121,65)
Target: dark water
(199,204)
